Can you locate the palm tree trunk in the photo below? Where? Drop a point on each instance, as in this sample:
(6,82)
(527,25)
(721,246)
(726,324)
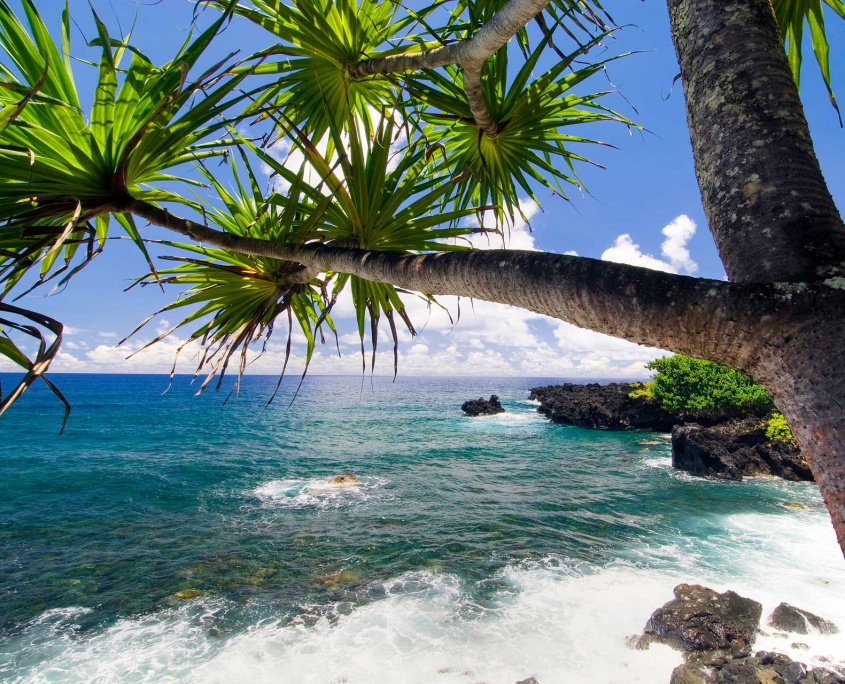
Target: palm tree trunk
(770,213)
(766,201)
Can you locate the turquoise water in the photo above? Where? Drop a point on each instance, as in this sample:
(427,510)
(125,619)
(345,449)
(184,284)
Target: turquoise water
(167,537)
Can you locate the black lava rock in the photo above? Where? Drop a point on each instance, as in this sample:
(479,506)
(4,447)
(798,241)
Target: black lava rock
(482,406)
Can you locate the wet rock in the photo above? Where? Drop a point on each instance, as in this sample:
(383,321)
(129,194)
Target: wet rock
(186,594)
(763,668)
(482,406)
(792,619)
(641,642)
(823,676)
(689,674)
(345,478)
(700,619)
(530,680)
(735,449)
(715,632)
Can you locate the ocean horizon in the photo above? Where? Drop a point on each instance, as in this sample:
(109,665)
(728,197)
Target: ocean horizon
(167,537)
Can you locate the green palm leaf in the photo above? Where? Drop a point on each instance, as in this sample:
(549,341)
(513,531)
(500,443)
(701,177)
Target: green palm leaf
(29,323)
(531,146)
(320,39)
(793,16)
(237,299)
(381,199)
(60,174)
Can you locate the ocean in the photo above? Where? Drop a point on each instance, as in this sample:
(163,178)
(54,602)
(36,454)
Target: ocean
(166,537)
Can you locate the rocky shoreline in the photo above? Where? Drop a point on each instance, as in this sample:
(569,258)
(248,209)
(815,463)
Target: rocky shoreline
(710,445)
(716,633)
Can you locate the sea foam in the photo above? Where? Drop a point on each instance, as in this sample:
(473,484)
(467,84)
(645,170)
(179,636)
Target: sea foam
(560,621)
(319,493)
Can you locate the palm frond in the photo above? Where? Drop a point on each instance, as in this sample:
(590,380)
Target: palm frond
(29,323)
(320,39)
(60,174)
(236,299)
(531,147)
(793,16)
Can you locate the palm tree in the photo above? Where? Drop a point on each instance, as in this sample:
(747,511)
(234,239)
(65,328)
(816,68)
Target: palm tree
(405,122)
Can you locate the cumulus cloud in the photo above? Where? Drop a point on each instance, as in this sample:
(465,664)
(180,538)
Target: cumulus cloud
(674,247)
(626,251)
(677,258)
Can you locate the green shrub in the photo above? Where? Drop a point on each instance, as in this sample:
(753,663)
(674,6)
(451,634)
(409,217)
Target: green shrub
(642,389)
(683,383)
(778,430)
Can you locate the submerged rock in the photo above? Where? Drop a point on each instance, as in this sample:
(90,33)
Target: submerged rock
(791,619)
(482,406)
(345,478)
(185,594)
(734,450)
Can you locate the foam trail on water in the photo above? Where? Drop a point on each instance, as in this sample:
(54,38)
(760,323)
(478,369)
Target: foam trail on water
(319,493)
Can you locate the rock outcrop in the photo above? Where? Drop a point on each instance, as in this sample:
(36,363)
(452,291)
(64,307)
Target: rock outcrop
(734,450)
(791,619)
(715,632)
(345,478)
(700,619)
(763,667)
(482,406)
(710,445)
(608,407)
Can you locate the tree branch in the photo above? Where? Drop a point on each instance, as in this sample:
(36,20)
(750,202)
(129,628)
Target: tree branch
(734,324)
(469,54)
(477,104)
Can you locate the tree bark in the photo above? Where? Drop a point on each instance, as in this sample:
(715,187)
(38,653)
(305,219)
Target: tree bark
(766,201)
(770,213)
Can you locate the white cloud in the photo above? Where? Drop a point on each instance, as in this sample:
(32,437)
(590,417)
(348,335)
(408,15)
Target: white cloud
(626,251)
(674,248)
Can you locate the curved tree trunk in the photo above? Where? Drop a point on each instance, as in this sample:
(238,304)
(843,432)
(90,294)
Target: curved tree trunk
(770,212)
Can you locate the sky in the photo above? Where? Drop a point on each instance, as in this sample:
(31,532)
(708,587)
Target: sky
(644,208)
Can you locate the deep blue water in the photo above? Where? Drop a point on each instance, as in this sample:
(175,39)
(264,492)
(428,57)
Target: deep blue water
(169,537)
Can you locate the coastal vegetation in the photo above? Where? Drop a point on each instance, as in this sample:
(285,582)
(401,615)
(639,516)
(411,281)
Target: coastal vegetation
(777,429)
(453,88)
(682,383)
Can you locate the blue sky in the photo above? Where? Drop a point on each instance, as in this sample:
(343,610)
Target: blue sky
(644,208)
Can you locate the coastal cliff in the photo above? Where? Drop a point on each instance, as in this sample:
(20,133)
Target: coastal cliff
(707,444)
